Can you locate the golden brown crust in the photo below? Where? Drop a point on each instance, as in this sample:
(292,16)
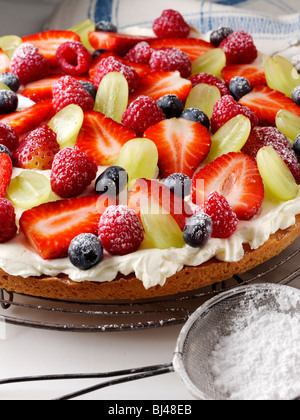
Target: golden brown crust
(130,288)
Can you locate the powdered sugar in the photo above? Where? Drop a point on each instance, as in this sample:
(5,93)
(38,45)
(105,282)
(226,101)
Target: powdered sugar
(259,359)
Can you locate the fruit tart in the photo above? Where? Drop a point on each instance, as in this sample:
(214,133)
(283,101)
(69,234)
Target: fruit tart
(138,166)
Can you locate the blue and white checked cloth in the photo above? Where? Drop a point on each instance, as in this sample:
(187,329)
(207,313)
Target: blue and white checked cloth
(275,24)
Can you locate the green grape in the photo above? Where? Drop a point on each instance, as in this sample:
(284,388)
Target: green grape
(112,96)
(9,44)
(29,189)
(67,124)
(279,182)
(3,86)
(139,157)
(83,29)
(161,229)
(212,62)
(203,97)
(231,137)
(281,75)
(289,124)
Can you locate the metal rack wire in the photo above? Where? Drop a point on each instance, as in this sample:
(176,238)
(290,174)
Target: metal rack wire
(58,315)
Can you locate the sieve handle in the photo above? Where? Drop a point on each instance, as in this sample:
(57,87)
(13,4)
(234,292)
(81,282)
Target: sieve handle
(122,376)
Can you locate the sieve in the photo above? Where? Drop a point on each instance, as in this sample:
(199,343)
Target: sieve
(196,341)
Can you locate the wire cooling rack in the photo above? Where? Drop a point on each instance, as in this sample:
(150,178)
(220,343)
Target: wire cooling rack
(59,315)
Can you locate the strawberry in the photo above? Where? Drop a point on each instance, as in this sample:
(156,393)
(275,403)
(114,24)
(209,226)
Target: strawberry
(4,62)
(193,47)
(266,103)
(145,192)
(236,177)
(51,227)
(41,90)
(6,169)
(102,138)
(182,145)
(30,118)
(49,41)
(118,43)
(160,83)
(255,74)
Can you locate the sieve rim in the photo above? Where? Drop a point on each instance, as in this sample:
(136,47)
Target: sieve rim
(178,362)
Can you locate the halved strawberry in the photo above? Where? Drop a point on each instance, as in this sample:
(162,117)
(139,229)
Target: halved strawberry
(51,227)
(6,169)
(118,43)
(160,83)
(30,118)
(182,145)
(255,74)
(49,41)
(236,177)
(145,192)
(193,47)
(266,103)
(4,62)
(102,138)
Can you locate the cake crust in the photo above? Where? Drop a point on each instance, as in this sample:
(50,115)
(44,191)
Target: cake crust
(130,288)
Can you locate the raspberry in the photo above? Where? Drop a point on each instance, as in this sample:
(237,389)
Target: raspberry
(226,109)
(8,227)
(74,58)
(171,59)
(142,114)
(171,24)
(28,64)
(120,230)
(140,54)
(37,149)
(72,172)
(211,80)
(8,136)
(224,219)
(111,64)
(67,91)
(239,48)
(271,136)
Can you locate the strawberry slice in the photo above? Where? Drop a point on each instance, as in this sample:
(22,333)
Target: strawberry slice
(193,47)
(118,43)
(160,83)
(266,103)
(6,169)
(102,138)
(145,192)
(30,118)
(4,62)
(51,227)
(236,177)
(49,41)
(255,74)
(182,145)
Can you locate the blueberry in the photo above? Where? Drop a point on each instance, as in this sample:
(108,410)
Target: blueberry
(296,95)
(239,87)
(112,181)
(105,26)
(171,106)
(4,149)
(179,184)
(90,88)
(11,80)
(219,35)
(198,230)
(85,251)
(99,52)
(8,101)
(296,146)
(195,114)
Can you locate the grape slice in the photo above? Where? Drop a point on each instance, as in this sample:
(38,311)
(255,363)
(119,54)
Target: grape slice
(29,189)
(162,231)
(112,96)
(281,75)
(83,29)
(67,124)
(280,185)
(203,97)
(289,124)
(9,44)
(212,62)
(231,137)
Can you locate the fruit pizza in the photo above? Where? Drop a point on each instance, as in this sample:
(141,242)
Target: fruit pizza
(134,167)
